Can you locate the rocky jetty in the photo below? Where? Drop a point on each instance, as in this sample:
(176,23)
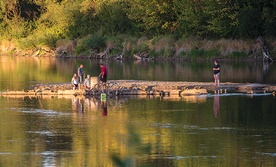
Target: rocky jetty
(138,87)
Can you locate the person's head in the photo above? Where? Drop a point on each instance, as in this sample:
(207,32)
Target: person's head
(81,66)
(75,75)
(215,61)
(88,76)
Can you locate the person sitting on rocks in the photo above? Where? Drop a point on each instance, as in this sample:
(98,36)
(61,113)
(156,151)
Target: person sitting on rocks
(87,82)
(75,81)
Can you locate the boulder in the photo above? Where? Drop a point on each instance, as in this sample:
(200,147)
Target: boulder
(193,91)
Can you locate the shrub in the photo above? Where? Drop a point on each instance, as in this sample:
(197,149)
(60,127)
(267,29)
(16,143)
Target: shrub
(202,54)
(91,43)
(238,55)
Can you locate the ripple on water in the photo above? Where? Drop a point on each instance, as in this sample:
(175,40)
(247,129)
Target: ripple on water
(165,125)
(5,153)
(267,154)
(48,133)
(236,94)
(193,157)
(45,112)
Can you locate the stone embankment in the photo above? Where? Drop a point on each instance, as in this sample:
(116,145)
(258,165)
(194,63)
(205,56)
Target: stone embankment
(138,87)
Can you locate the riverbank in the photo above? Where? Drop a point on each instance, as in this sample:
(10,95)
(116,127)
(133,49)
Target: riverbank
(141,87)
(165,48)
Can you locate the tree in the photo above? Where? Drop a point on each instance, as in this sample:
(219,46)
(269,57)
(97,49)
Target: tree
(17,17)
(222,17)
(113,18)
(153,17)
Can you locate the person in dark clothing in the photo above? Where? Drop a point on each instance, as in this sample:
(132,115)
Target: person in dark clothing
(216,70)
(80,73)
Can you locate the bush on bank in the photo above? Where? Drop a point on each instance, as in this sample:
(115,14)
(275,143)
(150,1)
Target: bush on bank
(180,29)
(161,47)
(167,47)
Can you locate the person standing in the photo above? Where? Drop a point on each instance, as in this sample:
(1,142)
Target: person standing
(80,73)
(103,75)
(216,70)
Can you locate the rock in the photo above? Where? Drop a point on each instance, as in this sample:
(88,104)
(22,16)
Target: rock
(174,92)
(193,91)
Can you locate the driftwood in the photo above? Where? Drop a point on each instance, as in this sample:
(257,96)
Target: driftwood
(104,54)
(120,56)
(141,55)
(266,56)
(117,56)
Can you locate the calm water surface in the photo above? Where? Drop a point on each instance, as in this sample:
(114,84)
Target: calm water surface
(209,130)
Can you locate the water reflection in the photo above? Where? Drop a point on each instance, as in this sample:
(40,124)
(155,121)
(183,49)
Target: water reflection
(266,68)
(75,131)
(77,104)
(194,99)
(53,70)
(83,105)
(104,108)
(216,103)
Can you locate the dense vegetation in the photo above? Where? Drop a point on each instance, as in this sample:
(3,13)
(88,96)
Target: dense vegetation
(161,27)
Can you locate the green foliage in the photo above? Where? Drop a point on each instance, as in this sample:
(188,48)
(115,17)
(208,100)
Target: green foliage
(95,42)
(250,24)
(91,43)
(44,22)
(113,18)
(166,52)
(115,44)
(222,18)
(202,54)
(182,54)
(163,46)
(238,55)
(153,17)
(153,54)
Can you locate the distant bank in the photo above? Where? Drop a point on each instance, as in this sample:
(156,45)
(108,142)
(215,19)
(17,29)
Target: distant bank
(144,49)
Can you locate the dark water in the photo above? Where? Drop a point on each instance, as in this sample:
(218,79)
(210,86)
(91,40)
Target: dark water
(210,130)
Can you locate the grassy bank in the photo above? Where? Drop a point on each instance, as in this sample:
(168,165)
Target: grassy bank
(161,47)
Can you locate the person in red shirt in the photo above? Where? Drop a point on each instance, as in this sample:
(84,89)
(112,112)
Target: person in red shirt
(103,75)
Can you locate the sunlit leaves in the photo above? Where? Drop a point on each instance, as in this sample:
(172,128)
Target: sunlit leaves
(182,18)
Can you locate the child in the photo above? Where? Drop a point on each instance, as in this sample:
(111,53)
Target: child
(75,81)
(87,82)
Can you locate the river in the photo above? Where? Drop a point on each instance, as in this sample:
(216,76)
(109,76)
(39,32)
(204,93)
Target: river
(207,130)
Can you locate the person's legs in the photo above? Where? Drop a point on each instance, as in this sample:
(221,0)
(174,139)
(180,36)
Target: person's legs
(104,85)
(75,86)
(217,78)
(80,78)
(103,81)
